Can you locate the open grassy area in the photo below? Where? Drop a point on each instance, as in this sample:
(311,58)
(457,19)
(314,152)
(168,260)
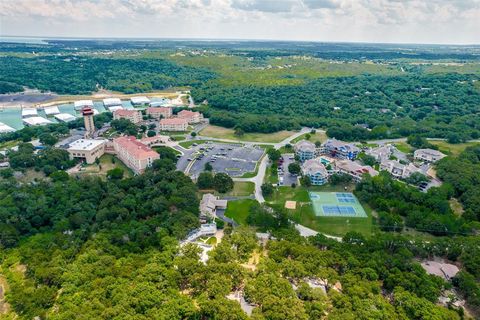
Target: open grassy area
(9,144)
(453,149)
(318,136)
(269,177)
(225,133)
(403,147)
(238,210)
(162,147)
(305,215)
(241,189)
(188,144)
(107,162)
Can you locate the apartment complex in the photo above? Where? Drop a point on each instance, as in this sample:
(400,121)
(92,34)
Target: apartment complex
(159,112)
(354,169)
(381,153)
(341,150)
(135,116)
(315,170)
(173,124)
(134,154)
(428,155)
(87,149)
(397,169)
(305,150)
(191,116)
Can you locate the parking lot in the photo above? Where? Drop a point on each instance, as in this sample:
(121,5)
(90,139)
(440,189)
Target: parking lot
(233,159)
(284,177)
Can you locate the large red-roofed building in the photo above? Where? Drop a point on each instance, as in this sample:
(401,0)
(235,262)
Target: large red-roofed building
(173,124)
(135,116)
(190,116)
(136,155)
(159,112)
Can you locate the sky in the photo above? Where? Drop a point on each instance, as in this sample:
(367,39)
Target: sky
(387,21)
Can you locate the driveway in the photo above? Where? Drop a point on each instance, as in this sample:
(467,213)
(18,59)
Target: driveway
(221,216)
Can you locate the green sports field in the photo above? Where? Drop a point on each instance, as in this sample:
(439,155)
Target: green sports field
(336,204)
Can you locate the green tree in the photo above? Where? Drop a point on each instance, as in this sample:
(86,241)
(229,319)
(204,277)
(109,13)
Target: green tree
(267,189)
(205,180)
(47,139)
(294,168)
(115,174)
(208,167)
(273,154)
(222,182)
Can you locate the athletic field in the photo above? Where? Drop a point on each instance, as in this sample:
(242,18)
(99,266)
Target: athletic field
(336,204)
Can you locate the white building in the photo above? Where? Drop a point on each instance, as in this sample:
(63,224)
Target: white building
(305,150)
(5,129)
(29,112)
(115,108)
(36,121)
(50,111)
(428,155)
(88,149)
(78,105)
(110,102)
(398,170)
(354,169)
(315,170)
(381,153)
(64,117)
(138,101)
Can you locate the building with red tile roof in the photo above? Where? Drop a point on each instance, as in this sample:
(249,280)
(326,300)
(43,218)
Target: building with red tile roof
(134,154)
(159,112)
(135,116)
(173,124)
(190,116)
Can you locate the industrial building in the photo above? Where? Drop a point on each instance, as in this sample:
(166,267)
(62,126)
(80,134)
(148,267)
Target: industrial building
(80,104)
(65,117)
(139,101)
(36,121)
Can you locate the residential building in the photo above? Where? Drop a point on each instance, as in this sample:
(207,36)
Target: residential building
(315,170)
(341,150)
(381,153)
(155,140)
(190,116)
(210,204)
(173,124)
(139,101)
(397,169)
(305,150)
(354,169)
(159,112)
(134,154)
(87,149)
(88,113)
(135,116)
(428,155)
(80,104)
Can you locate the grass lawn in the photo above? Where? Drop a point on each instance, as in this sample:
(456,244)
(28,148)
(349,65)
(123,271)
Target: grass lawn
(305,215)
(106,164)
(453,149)
(403,147)
(240,189)
(188,144)
(225,133)
(9,144)
(238,210)
(269,177)
(318,136)
(161,148)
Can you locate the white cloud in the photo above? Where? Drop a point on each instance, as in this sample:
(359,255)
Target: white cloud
(343,20)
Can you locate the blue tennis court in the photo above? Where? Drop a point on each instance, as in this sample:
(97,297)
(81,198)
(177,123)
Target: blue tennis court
(336,204)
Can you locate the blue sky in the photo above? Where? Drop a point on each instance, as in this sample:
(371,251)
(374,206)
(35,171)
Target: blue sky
(405,21)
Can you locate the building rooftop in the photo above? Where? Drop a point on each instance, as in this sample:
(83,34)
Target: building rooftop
(36,121)
(4,128)
(173,121)
(115,108)
(51,110)
(112,102)
(140,100)
(429,152)
(136,147)
(161,102)
(304,145)
(83,103)
(314,166)
(338,144)
(65,117)
(29,112)
(86,144)
(125,112)
(352,166)
(188,114)
(158,109)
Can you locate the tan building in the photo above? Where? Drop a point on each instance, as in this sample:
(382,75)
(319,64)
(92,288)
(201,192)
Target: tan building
(155,140)
(159,112)
(190,116)
(87,149)
(134,154)
(428,155)
(173,124)
(210,204)
(135,116)
(354,169)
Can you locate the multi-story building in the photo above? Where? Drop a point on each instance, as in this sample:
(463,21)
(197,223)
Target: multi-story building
(159,112)
(381,153)
(134,154)
(135,116)
(155,140)
(428,155)
(315,170)
(173,124)
(354,169)
(397,169)
(305,150)
(87,149)
(190,116)
(341,150)
(88,113)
